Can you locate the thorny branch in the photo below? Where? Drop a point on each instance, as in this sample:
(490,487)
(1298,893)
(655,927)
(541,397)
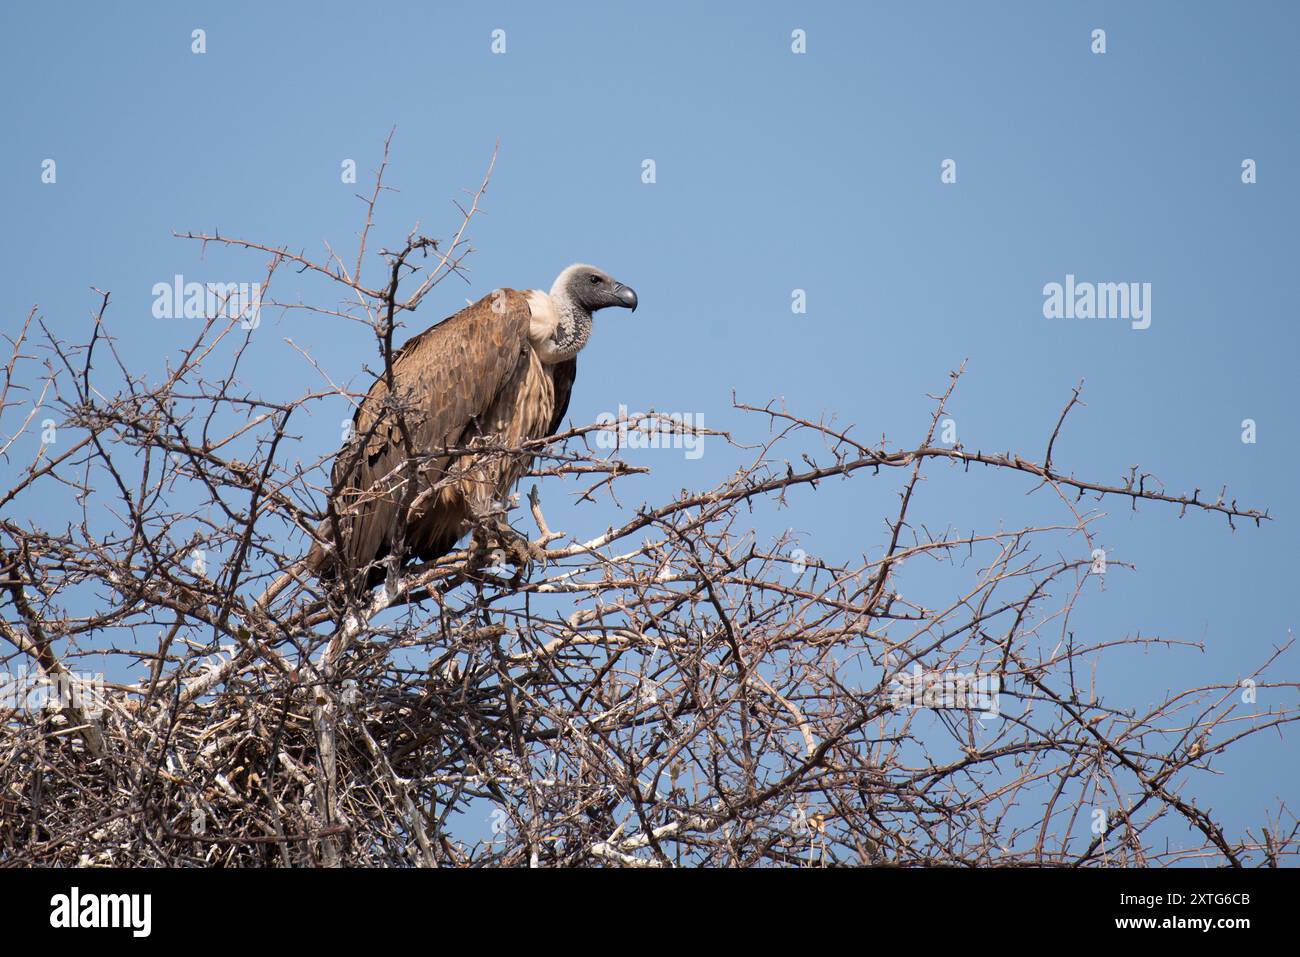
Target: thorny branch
(674,690)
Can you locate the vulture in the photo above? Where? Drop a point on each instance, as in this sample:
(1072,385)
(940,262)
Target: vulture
(493,376)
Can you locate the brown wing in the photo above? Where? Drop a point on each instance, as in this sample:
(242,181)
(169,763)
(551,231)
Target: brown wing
(444,377)
(563,374)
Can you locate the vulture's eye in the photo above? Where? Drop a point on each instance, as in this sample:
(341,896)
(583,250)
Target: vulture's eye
(595,280)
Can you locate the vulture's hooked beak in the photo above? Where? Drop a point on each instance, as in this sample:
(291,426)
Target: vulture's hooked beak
(626,296)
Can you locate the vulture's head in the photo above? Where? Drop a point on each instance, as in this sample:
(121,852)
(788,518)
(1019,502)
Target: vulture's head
(591,289)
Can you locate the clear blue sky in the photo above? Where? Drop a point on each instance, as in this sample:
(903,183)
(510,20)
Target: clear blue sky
(775,171)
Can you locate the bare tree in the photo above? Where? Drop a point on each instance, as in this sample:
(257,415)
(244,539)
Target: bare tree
(675,690)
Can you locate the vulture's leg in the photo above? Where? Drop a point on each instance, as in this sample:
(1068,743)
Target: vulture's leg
(496,541)
(519,550)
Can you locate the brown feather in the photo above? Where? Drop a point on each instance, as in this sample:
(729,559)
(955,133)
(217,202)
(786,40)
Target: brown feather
(470,380)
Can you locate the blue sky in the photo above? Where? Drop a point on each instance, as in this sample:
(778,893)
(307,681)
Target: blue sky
(774,172)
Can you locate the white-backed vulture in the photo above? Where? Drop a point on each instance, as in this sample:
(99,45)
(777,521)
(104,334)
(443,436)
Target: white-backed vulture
(495,375)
